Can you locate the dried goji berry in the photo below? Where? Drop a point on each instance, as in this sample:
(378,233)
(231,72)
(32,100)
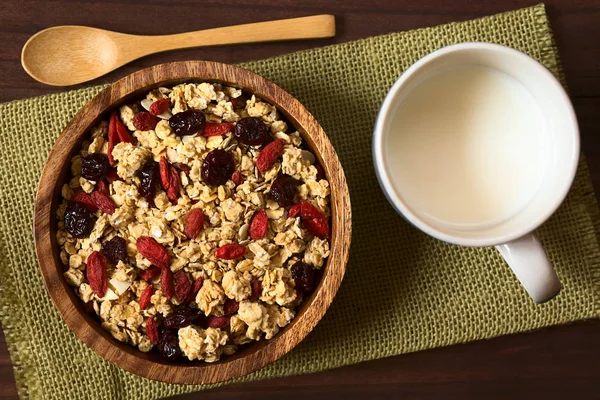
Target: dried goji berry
(145,297)
(153,251)
(230,251)
(195,289)
(103,202)
(320,172)
(194,222)
(173,190)
(294,210)
(123,132)
(230,307)
(218,322)
(318,227)
(164,172)
(159,106)
(85,199)
(113,137)
(256,289)
(144,121)
(150,274)
(102,187)
(314,220)
(270,154)
(307,210)
(112,175)
(152,330)
(216,129)
(96,273)
(259,225)
(166,282)
(183,286)
(236,177)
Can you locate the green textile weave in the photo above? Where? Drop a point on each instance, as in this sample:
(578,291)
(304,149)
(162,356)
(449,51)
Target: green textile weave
(403,291)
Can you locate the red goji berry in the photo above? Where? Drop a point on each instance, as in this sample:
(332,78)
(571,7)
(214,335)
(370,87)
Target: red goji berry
(145,297)
(102,187)
(259,225)
(173,190)
(85,199)
(256,289)
(195,289)
(236,177)
(230,251)
(164,172)
(270,154)
(150,274)
(123,132)
(166,282)
(159,106)
(218,322)
(96,273)
(153,251)
(183,286)
(103,202)
(194,222)
(113,137)
(230,307)
(216,129)
(152,330)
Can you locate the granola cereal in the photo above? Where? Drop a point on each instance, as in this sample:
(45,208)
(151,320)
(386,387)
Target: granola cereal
(211,210)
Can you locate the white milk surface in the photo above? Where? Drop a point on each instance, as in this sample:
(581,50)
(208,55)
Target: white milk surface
(468,147)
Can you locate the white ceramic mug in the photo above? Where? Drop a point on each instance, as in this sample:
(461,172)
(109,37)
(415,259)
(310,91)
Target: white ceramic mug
(477,144)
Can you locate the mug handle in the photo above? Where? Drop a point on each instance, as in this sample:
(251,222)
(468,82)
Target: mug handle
(528,260)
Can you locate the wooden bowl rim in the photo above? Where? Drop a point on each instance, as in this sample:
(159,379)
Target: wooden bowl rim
(69,305)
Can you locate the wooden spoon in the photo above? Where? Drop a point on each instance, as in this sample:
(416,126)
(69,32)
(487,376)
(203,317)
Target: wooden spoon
(67,55)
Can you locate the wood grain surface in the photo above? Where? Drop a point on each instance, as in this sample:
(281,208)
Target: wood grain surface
(555,363)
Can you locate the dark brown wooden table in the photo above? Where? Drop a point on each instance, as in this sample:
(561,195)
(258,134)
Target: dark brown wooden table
(555,363)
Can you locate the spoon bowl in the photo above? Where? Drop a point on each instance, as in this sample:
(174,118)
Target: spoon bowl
(67,55)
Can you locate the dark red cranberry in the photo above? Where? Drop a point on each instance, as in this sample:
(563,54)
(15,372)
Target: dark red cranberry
(283,190)
(304,276)
(94,166)
(115,249)
(217,167)
(187,122)
(230,307)
(149,180)
(251,131)
(79,222)
(181,318)
(168,345)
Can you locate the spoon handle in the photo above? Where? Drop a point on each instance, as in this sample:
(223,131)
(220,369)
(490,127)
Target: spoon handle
(317,26)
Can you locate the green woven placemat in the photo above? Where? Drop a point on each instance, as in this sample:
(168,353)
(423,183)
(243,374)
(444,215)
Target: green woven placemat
(403,291)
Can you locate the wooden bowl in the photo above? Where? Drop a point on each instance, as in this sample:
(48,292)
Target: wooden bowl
(151,365)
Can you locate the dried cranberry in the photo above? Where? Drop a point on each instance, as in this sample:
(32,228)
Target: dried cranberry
(168,345)
(188,122)
(181,318)
(217,167)
(78,220)
(143,121)
(149,179)
(304,276)
(115,249)
(251,131)
(94,166)
(283,190)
